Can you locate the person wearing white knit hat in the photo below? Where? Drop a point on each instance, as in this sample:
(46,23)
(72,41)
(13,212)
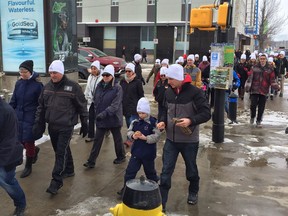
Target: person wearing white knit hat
(155,69)
(56,71)
(145,135)
(165,62)
(159,90)
(195,73)
(180,60)
(253,56)
(92,82)
(175,72)
(241,69)
(138,68)
(243,56)
(197,60)
(132,91)
(62,102)
(131,67)
(185,108)
(261,77)
(282,68)
(108,115)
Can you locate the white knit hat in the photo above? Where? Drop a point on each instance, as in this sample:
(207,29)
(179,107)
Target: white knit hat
(130,66)
(282,52)
(57,66)
(204,58)
(253,56)
(109,69)
(157,61)
(163,70)
(196,56)
(180,59)
(96,64)
(270,59)
(137,57)
(143,106)
(191,56)
(276,54)
(165,61)
(243,56)
(175,71)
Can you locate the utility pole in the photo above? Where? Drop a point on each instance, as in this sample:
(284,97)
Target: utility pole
(219,95)
(155,31)
(186,23)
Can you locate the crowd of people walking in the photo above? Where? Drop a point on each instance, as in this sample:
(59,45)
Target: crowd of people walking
(184,100)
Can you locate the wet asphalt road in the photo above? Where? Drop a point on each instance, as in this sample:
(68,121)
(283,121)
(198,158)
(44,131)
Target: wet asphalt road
(245,175)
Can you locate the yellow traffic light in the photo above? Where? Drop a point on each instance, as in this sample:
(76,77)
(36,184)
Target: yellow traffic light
(223,11)
(201,18)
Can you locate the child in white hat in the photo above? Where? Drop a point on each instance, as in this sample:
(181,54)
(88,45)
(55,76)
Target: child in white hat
(145,135)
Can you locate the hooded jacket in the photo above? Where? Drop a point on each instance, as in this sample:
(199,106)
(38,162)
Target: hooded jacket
(25,102)
(190,103)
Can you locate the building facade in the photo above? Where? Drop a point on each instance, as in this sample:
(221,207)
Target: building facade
(112,24)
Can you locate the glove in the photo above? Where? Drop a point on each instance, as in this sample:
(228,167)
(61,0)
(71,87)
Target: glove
(143,81)
(100,116)
(38,130)
(147,80)
(84,129)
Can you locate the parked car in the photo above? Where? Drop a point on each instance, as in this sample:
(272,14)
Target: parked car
(93,54)
(84,67)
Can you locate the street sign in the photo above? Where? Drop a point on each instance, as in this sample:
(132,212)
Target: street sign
(86,39)
(250,30)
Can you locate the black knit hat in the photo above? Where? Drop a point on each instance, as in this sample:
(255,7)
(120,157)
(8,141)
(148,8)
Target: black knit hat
(28,64)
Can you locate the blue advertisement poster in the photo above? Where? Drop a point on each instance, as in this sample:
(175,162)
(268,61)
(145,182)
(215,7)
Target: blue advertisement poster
(22,26)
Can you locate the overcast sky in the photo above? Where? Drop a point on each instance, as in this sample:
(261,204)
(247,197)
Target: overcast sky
(283,35)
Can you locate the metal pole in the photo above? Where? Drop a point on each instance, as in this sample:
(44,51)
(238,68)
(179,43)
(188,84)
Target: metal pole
(155,31)
(219,98)
(186,24)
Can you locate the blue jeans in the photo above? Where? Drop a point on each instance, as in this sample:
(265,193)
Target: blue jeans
(171,151)
(10,184)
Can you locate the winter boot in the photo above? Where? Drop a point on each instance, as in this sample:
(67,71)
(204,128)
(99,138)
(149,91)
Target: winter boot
(35,158)
(28,167)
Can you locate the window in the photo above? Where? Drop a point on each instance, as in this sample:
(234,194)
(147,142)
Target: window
(181,34)
(151,2)
(115,3)
(79,3)
(147,33)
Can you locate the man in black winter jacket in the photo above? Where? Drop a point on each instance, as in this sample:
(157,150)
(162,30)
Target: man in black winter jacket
(60,103)
(11,155)
(187,108)
(282,70)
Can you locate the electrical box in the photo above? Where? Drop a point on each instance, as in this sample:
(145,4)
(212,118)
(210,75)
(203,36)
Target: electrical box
(201,18)
(223,11)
